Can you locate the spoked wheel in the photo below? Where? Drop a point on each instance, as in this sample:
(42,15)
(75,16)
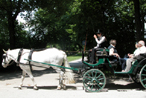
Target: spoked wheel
(94,80)
(136,77)
(143,76)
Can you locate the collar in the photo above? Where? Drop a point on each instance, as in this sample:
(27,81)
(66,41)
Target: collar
(113,45)
(19,55)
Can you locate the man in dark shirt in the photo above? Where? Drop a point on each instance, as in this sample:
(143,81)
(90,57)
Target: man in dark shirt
(112,49)
(113,52)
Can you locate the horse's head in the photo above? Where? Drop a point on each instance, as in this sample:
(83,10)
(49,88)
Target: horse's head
(7,58)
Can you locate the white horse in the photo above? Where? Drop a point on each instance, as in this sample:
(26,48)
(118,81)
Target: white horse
(50,55)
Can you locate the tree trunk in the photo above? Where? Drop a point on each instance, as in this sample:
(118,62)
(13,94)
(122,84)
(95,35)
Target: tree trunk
(11,27)
(138,34)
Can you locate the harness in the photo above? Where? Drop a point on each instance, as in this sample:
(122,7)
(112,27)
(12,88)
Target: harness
(19,56)
(30,57)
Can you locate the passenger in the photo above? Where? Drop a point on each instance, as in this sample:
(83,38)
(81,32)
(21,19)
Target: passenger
(140,50)
(130,56)
(101,41)
(112,49)
(135,52)
(113,52)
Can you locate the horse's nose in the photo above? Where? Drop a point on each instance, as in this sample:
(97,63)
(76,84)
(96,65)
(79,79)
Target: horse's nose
(3,64)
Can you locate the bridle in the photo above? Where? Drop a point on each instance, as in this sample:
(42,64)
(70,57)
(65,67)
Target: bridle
(10,61)
(4,58)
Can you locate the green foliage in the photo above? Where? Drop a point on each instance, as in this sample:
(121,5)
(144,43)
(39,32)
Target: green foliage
(74,57)
(71,58)
(65,23)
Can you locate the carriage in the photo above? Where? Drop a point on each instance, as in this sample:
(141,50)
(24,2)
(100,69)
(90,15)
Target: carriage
(94,78)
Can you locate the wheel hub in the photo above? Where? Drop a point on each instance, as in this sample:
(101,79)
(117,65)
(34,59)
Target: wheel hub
(94,80)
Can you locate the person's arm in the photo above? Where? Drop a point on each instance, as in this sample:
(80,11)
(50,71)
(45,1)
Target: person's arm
(100,41)
(130,55)
(111,52)
(142,50)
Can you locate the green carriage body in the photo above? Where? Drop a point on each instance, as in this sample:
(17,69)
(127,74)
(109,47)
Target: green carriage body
(137,72)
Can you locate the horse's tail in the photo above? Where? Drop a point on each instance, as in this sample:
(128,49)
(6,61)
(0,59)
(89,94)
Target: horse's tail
(68,72)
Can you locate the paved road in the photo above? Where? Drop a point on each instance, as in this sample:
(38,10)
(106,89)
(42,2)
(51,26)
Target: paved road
(47,80)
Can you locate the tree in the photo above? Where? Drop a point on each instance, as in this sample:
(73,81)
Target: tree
(47,23)
(114,18)
(12,8)
(138,23)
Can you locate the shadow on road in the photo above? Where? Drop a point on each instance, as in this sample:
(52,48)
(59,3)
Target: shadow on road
(12,73)
(49,87)
(16,73)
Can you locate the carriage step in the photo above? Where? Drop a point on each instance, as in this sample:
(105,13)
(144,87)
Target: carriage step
(120,72)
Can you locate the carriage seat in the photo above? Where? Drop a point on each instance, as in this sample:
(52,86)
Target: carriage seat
(113,59)
(102,52)
(140,56)
(141,60)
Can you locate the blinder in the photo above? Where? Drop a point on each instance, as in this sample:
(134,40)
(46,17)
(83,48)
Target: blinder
(7,61)
(4,56)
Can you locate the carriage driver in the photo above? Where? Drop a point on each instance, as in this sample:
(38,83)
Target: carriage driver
(140,50)
(100,40)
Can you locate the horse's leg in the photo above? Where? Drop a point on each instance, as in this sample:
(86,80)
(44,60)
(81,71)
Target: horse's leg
(22,79)
(27,70)
(61,85)
(32,78)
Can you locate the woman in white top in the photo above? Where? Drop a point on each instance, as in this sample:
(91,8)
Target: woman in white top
(100,40)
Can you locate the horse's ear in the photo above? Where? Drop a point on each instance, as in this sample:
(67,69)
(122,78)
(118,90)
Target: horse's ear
(4,51)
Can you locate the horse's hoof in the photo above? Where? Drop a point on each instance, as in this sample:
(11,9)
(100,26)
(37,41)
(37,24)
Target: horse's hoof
(64,87)
(58,88)
(35,88)
(19,87)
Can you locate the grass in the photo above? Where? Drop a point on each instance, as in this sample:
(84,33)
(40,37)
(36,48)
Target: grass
(74,57)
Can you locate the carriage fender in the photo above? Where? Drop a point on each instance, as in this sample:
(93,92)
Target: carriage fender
(141,63)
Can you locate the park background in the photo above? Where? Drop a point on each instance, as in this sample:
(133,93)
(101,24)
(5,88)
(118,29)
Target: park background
(68,24)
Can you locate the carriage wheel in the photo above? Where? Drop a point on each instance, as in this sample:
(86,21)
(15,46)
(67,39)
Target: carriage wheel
(136,77)
(94,80)
(143,76)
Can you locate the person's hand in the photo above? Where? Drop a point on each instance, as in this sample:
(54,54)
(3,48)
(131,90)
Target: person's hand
(117,55)
(95,36)
(130,55)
